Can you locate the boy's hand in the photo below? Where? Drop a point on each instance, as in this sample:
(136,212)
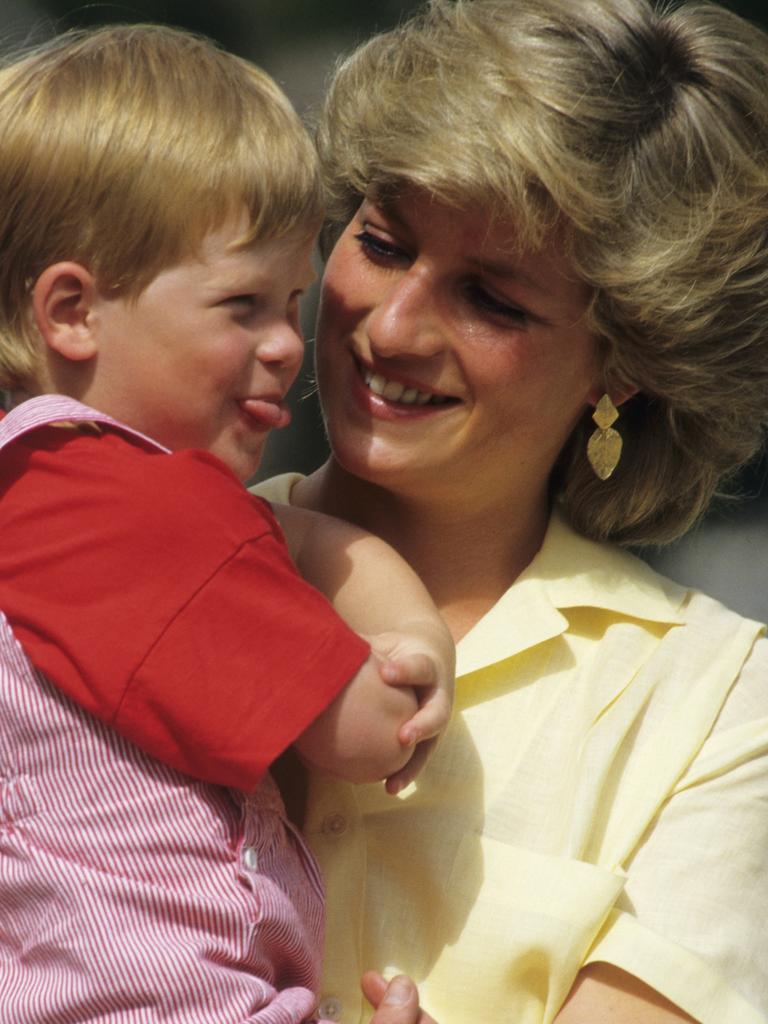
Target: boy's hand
(423,660)
(401,694)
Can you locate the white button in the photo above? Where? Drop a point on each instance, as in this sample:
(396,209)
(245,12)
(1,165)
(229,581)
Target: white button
(334,825)
(330,1008)
(250,858)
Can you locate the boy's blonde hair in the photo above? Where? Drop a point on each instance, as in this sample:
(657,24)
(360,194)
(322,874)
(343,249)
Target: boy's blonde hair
(641,135)
(121,148)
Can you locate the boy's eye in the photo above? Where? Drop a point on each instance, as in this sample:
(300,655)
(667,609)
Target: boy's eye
(243,306)
(240,300)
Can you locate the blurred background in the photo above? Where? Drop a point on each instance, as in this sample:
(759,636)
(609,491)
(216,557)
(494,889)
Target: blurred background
(298,41)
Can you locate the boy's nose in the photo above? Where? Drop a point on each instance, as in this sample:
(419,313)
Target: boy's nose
(283,345)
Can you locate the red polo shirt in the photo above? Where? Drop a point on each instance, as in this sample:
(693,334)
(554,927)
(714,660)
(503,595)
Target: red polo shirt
(155,592)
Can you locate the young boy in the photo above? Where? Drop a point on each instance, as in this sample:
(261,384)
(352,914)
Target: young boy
(158,205)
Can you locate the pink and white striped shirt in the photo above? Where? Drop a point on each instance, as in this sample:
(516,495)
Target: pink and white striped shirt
(130,892)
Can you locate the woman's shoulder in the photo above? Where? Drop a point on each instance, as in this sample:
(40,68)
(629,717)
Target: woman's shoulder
(709,656)
(574,571)
(726,556)
(579,571)
(277,488)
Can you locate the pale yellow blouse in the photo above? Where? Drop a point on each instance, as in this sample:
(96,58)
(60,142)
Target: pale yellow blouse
(601,794)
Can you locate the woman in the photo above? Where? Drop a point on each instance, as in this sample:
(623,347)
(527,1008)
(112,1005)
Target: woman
(552,225)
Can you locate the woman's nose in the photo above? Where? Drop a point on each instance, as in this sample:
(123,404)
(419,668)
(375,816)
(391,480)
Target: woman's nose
(406,321)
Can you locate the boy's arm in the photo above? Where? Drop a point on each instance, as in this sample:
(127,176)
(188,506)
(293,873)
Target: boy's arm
(356,737)
(162,600)
(370,730)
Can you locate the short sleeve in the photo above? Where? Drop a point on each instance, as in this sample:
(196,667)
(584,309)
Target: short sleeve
(154,591)
(691,919)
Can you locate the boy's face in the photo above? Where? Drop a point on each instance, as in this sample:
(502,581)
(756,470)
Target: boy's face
(204,356)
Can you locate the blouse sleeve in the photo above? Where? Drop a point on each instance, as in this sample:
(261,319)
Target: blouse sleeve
(691,921)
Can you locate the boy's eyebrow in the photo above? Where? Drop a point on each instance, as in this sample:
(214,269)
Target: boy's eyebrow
(249,279)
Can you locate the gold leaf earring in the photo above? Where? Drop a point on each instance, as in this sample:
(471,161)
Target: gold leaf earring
(604,446)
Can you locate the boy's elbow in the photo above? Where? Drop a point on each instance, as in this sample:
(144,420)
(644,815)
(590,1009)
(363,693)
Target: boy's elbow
(375,766)
(361,746)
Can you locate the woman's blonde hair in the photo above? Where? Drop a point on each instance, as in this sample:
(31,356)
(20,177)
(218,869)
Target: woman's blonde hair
(642,135)
(121,148)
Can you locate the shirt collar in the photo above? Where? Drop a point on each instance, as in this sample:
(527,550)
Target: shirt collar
(569,571)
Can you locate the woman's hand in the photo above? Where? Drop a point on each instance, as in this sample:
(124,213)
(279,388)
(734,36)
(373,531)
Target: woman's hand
(395,1002)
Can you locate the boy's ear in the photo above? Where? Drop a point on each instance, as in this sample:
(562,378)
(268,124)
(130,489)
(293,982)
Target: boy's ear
(62,303)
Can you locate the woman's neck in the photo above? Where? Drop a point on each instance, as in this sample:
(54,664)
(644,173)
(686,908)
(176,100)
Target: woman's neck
(466,555)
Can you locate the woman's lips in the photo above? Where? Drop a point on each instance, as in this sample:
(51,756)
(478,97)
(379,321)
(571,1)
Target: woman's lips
(399,395)
(270,413)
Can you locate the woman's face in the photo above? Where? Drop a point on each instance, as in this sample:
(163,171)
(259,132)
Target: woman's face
(448,358)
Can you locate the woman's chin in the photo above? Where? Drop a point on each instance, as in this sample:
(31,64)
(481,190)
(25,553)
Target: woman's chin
(384,466)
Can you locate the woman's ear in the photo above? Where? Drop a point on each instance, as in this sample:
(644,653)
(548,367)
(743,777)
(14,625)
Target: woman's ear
(617,395)
(62,302)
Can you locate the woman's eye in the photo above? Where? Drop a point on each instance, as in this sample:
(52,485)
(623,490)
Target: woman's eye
(377,247)
(487,303)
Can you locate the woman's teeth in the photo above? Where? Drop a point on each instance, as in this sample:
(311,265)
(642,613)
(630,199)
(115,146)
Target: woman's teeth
(396,392)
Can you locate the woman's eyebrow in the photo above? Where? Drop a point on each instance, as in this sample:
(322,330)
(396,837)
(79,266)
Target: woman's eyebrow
(389,208)
(509,271)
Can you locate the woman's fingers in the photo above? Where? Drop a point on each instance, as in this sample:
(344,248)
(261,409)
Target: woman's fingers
(396,1002)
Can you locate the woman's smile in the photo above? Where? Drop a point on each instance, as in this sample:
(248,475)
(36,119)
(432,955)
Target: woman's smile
(386,393)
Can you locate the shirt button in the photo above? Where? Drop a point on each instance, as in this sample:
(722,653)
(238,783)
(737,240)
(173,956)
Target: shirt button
(330,1009)
(250,858)
(334,825)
